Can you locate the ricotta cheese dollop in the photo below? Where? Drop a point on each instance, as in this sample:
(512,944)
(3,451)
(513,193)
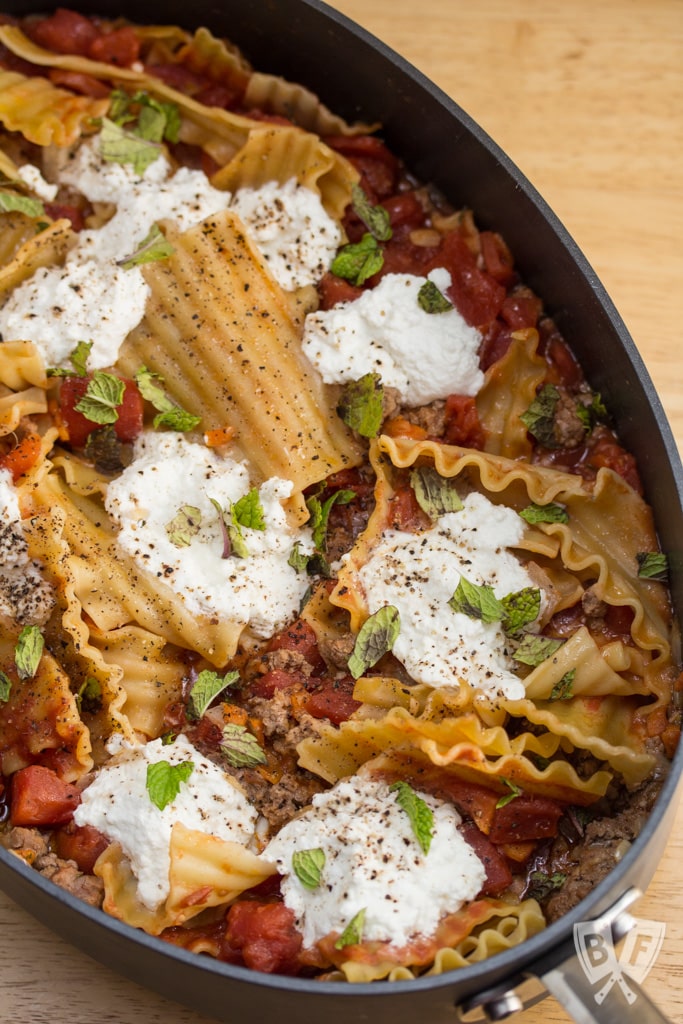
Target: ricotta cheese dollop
(424,355)
(373,862)
(25,595)
(118,803)
(167,473)
(418,574)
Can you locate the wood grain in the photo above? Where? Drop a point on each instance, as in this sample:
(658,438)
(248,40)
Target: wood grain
(586,98)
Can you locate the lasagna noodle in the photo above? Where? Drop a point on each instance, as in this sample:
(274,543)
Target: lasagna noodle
(300,105)
(221,332)
(509,388)
(45,249)
(45,114)
(205,872)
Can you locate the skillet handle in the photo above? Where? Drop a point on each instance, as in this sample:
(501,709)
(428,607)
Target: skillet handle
(624,1003)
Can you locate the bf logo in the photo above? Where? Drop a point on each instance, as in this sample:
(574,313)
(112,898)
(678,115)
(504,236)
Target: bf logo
(601,964)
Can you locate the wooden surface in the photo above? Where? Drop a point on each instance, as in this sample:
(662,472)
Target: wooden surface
(587,98)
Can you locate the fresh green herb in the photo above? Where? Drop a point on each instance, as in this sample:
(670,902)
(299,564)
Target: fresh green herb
(520,608)
(298,560)
(476,601)
(89,695)
(206,687)
(542,885)
(432,300)
(550,513)
(562,690)
(419,813)
(241,748)
(308,866)
(119,146)
(377,635)
(170,414)
(233,539)
(168,738)
(29,651)
(78,360)
(247,511)
(11,202)
(320,514)
(653,565)
(102,398)
(164,781)
(353,933)
(361,405)
(375,218)
(358,261)
(5,687)
(535,649)
(152,248)
(591,413)
(147,117)
(184,526)
(515,791)
(436,495)
(539,419)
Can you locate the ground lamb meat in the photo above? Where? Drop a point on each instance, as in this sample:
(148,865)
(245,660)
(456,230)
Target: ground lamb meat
(337,651)
(569,429)
(285,661)
(432,418)
(33,846)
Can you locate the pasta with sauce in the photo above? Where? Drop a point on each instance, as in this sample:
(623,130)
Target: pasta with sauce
(315,625)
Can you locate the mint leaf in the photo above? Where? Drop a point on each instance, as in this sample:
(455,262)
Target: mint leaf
(170,414)
(542,885)
(248,511)
(653,565)
(562,690)
(184,526)
(520,608)
(206,687)
(89,695)
(551,513)
(320,514)
(240,748)
(375,218)
(5,687)
(297,559)
(164,781)
(353,933)
(436,495)
(308,866)
(477,602)
(14,202)
(119,146)
(377,635)
(432,300)
(361,405)
(539,419)
(29,651)
(535,649)
(515,791)
(358,261)
(152,248)
(419,813)
(78,360)
(102,398)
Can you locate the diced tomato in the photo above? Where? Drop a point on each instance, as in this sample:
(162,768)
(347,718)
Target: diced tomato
(378,166)
(564,368)
(525,817)
(333,289)
(127,426)
(265,935)
(298,637)
(498,873)
(404,513)
(472,799)
(270,682)
(65,31)
(462,422)
(331,698)
(405,210)
(22,457)
(496,340)
(79,82)
(521,309)
(216,95)
(120,47)
(476,294)
(62,211)
(178,77)
(497,257)
(606,451)
(81,843)
(41,799)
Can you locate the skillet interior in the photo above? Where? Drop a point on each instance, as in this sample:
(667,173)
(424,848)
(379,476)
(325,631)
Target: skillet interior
(307,41)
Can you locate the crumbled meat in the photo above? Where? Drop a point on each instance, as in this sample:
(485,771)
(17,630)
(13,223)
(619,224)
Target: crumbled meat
(273,712)
(33,845)
(569,429)
(285,661)
(432,418)
(337,651)
(593,607)
(391,402)
(279,801)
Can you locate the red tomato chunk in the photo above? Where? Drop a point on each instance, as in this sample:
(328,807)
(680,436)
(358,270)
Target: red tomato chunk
(80,843)
(264,935)
(127,426)
(41,799)
(525,817)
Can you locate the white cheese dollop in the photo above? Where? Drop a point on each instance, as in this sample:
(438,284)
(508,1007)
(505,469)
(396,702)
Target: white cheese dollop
(168,472)
(118,803)
(418,574)
(374,862)
(32,177)
(424,355)
(25,596)
(291,228)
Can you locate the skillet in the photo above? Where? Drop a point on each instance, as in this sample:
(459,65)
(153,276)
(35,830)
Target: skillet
(306,41)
